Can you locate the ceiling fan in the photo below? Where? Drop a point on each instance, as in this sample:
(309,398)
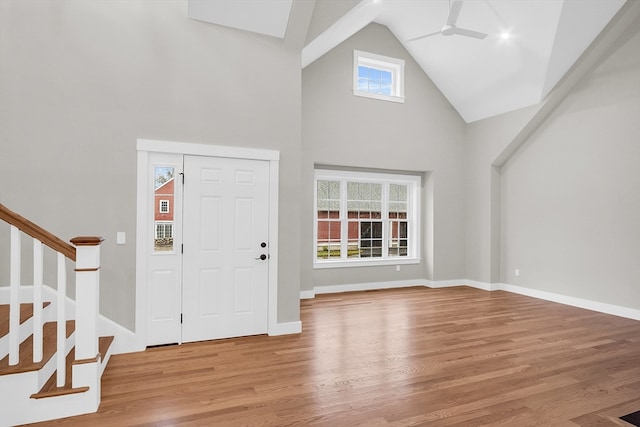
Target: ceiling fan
(450,27)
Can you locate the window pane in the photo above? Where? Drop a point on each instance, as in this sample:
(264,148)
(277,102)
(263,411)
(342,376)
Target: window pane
(328,239)
(353,248)
(374,80)
(334,190)
(398,241)
(403,230)
(376,192)
(365,230)
(376,230)
(323,190)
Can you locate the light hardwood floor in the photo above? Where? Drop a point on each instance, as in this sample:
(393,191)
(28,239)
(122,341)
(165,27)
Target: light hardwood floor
(403,357)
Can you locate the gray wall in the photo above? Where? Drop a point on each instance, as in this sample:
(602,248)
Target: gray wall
(571,195)
(81,81)
(425,134)
(486,139)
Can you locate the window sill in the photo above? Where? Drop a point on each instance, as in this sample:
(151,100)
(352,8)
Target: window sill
(359,263)
(399,99)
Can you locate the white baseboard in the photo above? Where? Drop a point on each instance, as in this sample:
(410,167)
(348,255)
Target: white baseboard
(286,328)
(307,294)
(126,341)
(601,307)
(334,289)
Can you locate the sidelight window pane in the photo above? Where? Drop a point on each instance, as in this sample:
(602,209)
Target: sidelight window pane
(163,213)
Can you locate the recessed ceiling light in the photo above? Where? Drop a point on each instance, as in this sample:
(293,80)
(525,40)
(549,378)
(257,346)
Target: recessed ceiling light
(505,36)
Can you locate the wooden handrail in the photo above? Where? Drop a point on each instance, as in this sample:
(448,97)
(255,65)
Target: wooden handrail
(37,232)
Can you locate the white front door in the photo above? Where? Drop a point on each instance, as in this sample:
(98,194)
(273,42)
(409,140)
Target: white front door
(225,256)
(208,262)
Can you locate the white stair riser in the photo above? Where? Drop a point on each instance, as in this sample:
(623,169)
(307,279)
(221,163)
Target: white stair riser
(25,410)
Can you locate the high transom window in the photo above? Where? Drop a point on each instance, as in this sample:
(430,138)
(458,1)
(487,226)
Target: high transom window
(377,76)
(365,218)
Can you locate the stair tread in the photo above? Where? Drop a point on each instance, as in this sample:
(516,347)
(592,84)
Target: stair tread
(25,363)
(26,311)
(51,389)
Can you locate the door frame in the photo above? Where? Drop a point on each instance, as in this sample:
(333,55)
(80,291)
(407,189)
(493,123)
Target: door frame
(144,209)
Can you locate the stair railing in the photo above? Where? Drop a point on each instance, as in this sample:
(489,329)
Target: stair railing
(86,255)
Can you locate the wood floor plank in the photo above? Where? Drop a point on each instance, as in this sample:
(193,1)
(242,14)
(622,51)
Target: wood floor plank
(403,357)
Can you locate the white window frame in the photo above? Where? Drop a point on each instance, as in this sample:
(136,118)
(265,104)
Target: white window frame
(380,62)
(164,224)
(413,213)
(160,210)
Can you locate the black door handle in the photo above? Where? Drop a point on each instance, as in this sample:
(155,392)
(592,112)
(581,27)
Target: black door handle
(262,257)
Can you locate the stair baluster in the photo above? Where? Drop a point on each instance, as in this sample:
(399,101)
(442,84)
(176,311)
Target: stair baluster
(61,316)
(14,303)
(38,260)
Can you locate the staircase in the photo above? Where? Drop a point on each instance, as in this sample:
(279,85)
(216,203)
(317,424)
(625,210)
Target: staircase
(51,357)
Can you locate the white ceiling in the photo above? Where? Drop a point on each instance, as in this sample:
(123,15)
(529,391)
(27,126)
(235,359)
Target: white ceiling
(481,78)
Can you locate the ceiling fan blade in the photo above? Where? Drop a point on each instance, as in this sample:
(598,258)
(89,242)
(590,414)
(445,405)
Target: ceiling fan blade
(469,33)
(454,12)
(423,36)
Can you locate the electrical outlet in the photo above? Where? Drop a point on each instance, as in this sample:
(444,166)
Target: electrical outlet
(397,268)
(517,272)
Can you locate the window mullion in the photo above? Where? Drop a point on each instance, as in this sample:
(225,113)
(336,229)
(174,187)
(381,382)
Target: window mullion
(385,220)
(344,221)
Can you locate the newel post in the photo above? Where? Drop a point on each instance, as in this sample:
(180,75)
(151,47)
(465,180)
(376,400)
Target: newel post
(87,295)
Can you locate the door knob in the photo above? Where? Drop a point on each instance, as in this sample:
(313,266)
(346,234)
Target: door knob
(262,257)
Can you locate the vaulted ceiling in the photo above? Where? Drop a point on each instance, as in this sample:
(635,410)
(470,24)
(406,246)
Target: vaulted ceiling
(480,77)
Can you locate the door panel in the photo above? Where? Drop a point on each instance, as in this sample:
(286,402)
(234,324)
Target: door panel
(225,283)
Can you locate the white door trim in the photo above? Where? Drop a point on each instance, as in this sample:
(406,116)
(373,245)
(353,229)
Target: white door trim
(146,146)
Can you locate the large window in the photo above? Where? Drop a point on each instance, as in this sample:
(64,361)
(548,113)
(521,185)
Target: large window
(365,218)
(377,76)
